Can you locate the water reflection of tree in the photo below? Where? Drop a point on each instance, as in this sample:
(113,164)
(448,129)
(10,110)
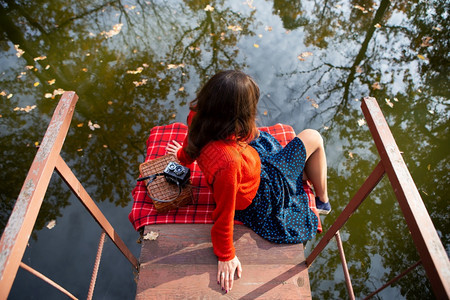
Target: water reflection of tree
(105,160)
(421,135)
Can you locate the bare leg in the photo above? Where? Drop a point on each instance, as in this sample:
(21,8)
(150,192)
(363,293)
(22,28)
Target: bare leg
(316,162)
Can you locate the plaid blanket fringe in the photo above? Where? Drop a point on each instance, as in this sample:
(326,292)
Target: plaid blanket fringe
(144,213)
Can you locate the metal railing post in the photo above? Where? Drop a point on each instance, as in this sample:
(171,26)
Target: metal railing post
(21,222)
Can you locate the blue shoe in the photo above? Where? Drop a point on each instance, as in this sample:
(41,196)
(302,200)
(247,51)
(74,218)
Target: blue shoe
(323,208)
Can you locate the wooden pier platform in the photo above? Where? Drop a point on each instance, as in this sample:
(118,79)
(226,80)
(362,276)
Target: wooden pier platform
(180,264)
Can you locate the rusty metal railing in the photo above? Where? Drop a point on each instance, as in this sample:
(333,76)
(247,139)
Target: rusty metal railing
(23,217)
(432,253)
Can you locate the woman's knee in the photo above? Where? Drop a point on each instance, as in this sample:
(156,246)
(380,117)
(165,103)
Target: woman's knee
(311,136)
(312,140)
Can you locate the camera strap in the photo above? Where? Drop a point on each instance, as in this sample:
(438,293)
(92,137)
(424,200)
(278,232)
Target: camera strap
(153,177)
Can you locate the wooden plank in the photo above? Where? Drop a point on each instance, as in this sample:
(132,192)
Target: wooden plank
(180,264)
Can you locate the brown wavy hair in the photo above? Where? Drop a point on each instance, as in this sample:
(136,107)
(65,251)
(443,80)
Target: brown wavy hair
(225,109)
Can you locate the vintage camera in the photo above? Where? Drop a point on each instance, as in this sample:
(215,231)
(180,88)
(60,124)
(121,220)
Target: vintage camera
(177,174)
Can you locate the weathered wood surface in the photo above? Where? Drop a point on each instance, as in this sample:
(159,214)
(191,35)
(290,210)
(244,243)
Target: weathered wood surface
(180,264)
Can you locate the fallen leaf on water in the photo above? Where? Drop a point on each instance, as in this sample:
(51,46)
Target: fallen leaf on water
(138,70)
(36,144)
(29,67)
(377,25)
(52,81)
(173,66)
(437,28)
(48,95)
(36,83)
(84,69)
(116,29)
(51,224)
(265,113)
(260,35)
(268,28)
(80,124)
(326,127)
(431,112)
(139,83)
(360,8)
(145,65)
(208,8)
(20,52)
(388,102)
(2,93)
(173,116)
(93,126)
(105,146)
(256,45)
(79,149)
(181,89)
(395,99)
(376,86)
(27,108)
(9,96)
(421,56)
(235,27)
(47,67)
(110,102)
(151,236)
(350,154)
(303,55)
(58,92)
(40,58)
(429,167)
(358,69)
(425,41)
(361,122)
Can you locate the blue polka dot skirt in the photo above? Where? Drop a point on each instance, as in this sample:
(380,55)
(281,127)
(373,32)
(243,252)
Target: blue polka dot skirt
(280,212)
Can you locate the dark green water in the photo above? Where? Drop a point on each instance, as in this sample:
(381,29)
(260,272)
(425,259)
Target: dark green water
(313,60)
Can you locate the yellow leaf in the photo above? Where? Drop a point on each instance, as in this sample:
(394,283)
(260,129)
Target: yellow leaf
(36,144)
(48,95)
(350,154)
(361,122)
(138,70)
(50,82)
(9,96)
(151,236)
(235,27)
(429,167)
(51,224)
(268,28)
(40,58)
(105,146)
(80,124)
(265,112)
(421,56)
(84,69)
(79,149)
(29,67)
(47,67)
(208,8)
(2,93)
(181,89)
(110,102)
(388,102)
(376,86)
(256,45)
(36,83)
(377,25)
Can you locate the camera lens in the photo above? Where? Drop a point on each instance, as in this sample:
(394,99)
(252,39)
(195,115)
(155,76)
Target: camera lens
(179,170)
(171,166)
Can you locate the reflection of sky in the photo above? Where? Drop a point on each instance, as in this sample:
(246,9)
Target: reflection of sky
(289,88)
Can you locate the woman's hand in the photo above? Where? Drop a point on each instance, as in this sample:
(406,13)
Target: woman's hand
(225,274)
(172,148)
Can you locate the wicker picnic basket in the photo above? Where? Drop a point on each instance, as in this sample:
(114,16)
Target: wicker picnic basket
(161,189)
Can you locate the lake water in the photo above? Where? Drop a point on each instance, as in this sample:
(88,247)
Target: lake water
(137,64)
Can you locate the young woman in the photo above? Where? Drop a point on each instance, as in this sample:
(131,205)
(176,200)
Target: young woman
(252,177)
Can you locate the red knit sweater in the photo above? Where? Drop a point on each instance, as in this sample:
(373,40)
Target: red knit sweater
(232,172)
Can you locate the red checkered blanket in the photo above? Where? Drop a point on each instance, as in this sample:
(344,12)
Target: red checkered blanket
(144,213)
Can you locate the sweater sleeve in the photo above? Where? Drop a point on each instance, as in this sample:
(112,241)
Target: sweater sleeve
(224,192)
(182,156)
